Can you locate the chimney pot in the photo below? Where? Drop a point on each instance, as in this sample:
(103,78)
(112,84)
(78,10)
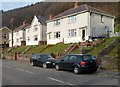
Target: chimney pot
(50,16)
(76,4)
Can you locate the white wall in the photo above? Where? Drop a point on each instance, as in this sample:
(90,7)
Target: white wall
(16,35)
(98,28)
(82,21)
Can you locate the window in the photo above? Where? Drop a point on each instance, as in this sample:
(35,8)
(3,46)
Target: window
(57,22)
(72,33)
(72,19)
(35,29)
(35,37)
(28,30)
(17,40)
(102,19)
(56,34)
(66,58)
(17,34)
(72,58)
(28,38)
(5,35)
(88,57)
(5,42)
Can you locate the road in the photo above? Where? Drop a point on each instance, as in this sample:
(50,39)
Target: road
(22,73)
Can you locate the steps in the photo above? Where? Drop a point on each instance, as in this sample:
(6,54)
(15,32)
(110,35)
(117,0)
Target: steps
(27,49)
(45,48)
(70,48)
(109,47)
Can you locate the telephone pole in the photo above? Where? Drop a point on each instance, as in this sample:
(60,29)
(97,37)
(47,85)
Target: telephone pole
(11,22)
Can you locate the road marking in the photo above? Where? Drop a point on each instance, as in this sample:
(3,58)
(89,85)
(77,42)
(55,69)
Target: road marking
(6,66)
(25,71)
(59,81)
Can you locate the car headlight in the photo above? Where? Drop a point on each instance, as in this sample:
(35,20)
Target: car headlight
(48,62)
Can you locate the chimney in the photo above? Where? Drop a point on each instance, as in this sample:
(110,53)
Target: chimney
(50,16)
(24,22)
(76,4)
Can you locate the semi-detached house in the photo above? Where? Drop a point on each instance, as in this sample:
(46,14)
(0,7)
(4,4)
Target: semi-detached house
(36,32)
(18,35)
(78,24)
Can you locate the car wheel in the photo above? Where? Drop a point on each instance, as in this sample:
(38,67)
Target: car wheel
(76,70)
(44,65)
(32,63)
(57,67)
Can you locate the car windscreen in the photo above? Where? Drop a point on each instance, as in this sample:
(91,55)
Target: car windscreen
(88,57)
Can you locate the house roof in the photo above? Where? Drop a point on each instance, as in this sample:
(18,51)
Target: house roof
(42,19)
(5,28)
(81,8)
(22,27)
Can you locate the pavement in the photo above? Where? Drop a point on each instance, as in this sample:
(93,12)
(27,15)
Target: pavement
(22,73)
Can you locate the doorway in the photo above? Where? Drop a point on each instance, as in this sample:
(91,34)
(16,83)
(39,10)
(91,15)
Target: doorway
(83,34)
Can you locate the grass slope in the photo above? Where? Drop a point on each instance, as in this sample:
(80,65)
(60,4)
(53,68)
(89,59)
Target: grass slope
(99,48)
(56,48)
(36,49)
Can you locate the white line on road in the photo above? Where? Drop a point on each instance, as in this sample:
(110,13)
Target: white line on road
(6,66)
(25,71)
(59,81)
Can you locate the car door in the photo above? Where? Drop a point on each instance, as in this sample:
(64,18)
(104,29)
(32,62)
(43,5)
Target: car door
(40,59)
(71,62)
(63,62)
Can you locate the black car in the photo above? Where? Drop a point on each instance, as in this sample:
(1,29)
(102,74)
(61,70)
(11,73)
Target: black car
(78,63)
(43,60)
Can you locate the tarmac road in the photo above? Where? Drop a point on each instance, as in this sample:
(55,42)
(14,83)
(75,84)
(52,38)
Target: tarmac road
(22,73)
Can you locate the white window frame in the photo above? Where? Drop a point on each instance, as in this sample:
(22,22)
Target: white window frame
(72,33)
(28,38)
(35,28)
(57,34)
(72,19)
(57,22)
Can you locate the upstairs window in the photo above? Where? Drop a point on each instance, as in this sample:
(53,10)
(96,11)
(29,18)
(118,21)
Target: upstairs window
(28,30)
(72,33)
(5,36)
(57,22)
(102,19)
(17,40)
(72,19)
(35,29)
(56,34)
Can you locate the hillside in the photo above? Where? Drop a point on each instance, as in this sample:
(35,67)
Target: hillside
(55,8)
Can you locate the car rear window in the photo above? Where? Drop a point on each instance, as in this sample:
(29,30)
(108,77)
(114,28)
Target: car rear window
(88,57)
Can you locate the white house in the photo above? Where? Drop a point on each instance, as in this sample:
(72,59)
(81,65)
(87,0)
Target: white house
(4,37)
(36,32)
(18,35)
(79,24)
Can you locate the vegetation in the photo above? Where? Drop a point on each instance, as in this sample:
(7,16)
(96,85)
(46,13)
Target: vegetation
(55,8)
(20,49)
(36,49)
(57,48)
(114,53)
(98,49)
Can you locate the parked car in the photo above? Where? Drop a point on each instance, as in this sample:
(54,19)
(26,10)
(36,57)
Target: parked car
(78,63)
(44,60)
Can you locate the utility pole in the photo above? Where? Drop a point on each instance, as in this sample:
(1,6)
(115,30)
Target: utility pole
(11,22)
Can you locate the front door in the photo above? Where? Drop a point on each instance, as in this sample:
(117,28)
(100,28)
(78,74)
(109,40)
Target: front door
(83,34)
